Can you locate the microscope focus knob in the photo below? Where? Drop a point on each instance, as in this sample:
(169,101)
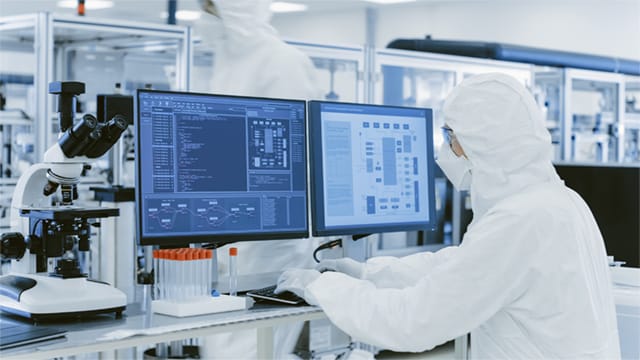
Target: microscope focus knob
(12,245)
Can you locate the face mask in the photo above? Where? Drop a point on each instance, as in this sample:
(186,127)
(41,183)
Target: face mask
(456,169)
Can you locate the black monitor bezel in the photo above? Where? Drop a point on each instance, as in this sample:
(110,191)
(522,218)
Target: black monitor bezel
(185,240)
(318,225)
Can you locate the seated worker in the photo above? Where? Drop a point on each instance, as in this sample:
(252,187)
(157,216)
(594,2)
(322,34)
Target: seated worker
(531,278)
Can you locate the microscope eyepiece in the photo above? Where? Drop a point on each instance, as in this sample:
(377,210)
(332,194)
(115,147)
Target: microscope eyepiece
(76,139)
(120,122)
(111,132)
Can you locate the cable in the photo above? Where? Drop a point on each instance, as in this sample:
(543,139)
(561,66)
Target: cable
(216,245)
(33,229)
(328,245)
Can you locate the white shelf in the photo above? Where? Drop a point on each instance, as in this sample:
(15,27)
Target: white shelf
(14,118)
(8,181)
(632,120)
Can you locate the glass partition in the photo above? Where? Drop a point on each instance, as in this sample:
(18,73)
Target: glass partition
(631,152)
(592,116)
(339,70)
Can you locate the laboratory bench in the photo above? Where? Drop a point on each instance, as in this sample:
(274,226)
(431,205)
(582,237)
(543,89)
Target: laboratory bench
(141,328)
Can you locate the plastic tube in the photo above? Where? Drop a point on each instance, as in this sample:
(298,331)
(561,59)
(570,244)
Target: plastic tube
(233,271)
(156,274)
(181,262)
(209,270)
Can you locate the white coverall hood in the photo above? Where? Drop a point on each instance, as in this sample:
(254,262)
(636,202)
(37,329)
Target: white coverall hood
(502,131)
(245,19)
(240,24)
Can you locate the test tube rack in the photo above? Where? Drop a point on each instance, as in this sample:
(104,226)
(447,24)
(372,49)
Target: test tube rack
(182,284)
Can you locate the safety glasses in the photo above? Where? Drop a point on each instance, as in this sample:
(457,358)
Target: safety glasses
(447,134)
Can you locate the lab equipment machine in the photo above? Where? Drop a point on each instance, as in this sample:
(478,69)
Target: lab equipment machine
(372,168)
(49,282)
(216,169)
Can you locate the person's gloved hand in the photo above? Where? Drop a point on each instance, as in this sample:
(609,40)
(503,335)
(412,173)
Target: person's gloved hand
(346,266)
(296,280)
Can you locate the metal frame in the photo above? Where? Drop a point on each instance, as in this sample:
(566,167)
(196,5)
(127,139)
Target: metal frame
(46,25)
(339,52)
(459,65)
(554,76)
(612,78)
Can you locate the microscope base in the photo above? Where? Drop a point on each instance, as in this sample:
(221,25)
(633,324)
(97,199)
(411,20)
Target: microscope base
(55,298)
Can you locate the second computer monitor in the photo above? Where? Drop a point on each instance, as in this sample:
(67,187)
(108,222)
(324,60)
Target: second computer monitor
(371,168)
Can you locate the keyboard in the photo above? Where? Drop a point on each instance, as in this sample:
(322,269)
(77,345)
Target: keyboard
(268,294)
(17,334)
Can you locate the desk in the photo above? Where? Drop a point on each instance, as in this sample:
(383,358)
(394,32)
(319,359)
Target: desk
(91,335)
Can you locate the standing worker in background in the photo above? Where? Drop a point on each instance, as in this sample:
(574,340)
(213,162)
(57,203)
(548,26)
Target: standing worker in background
(251,60)
(249,57)
(531,277)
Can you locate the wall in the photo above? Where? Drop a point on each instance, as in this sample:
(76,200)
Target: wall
(609,28)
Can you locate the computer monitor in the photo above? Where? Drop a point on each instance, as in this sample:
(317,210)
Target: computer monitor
(372,168)
(213,168)
(612,192)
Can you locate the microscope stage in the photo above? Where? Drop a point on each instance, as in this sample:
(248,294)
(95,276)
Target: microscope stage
(61,213)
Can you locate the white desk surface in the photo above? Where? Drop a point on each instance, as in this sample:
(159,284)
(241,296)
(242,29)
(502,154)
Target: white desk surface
(88,336)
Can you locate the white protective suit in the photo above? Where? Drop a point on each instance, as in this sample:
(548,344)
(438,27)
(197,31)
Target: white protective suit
(530,279)
(251,60)
(249,57)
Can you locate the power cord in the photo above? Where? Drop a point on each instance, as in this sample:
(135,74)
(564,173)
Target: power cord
(328,245)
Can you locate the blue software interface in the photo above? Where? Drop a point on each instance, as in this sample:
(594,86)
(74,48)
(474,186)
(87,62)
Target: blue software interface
(220,168)
(371,168)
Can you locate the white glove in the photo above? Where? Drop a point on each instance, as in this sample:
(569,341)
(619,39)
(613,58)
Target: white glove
(346,266)
(296,281)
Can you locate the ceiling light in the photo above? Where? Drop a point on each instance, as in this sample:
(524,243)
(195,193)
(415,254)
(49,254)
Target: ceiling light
(284,7)
(88,4)
(186,15)
(384,2)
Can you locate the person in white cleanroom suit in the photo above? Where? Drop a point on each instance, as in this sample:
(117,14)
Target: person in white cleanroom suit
(249,57)
(530,279)
(251,60)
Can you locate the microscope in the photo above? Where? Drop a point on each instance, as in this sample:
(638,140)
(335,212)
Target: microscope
(48,282)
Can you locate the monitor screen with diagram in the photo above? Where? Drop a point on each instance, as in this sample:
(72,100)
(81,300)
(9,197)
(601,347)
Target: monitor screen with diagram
(372,168)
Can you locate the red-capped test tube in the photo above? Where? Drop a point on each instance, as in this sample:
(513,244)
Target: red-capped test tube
(233,271)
